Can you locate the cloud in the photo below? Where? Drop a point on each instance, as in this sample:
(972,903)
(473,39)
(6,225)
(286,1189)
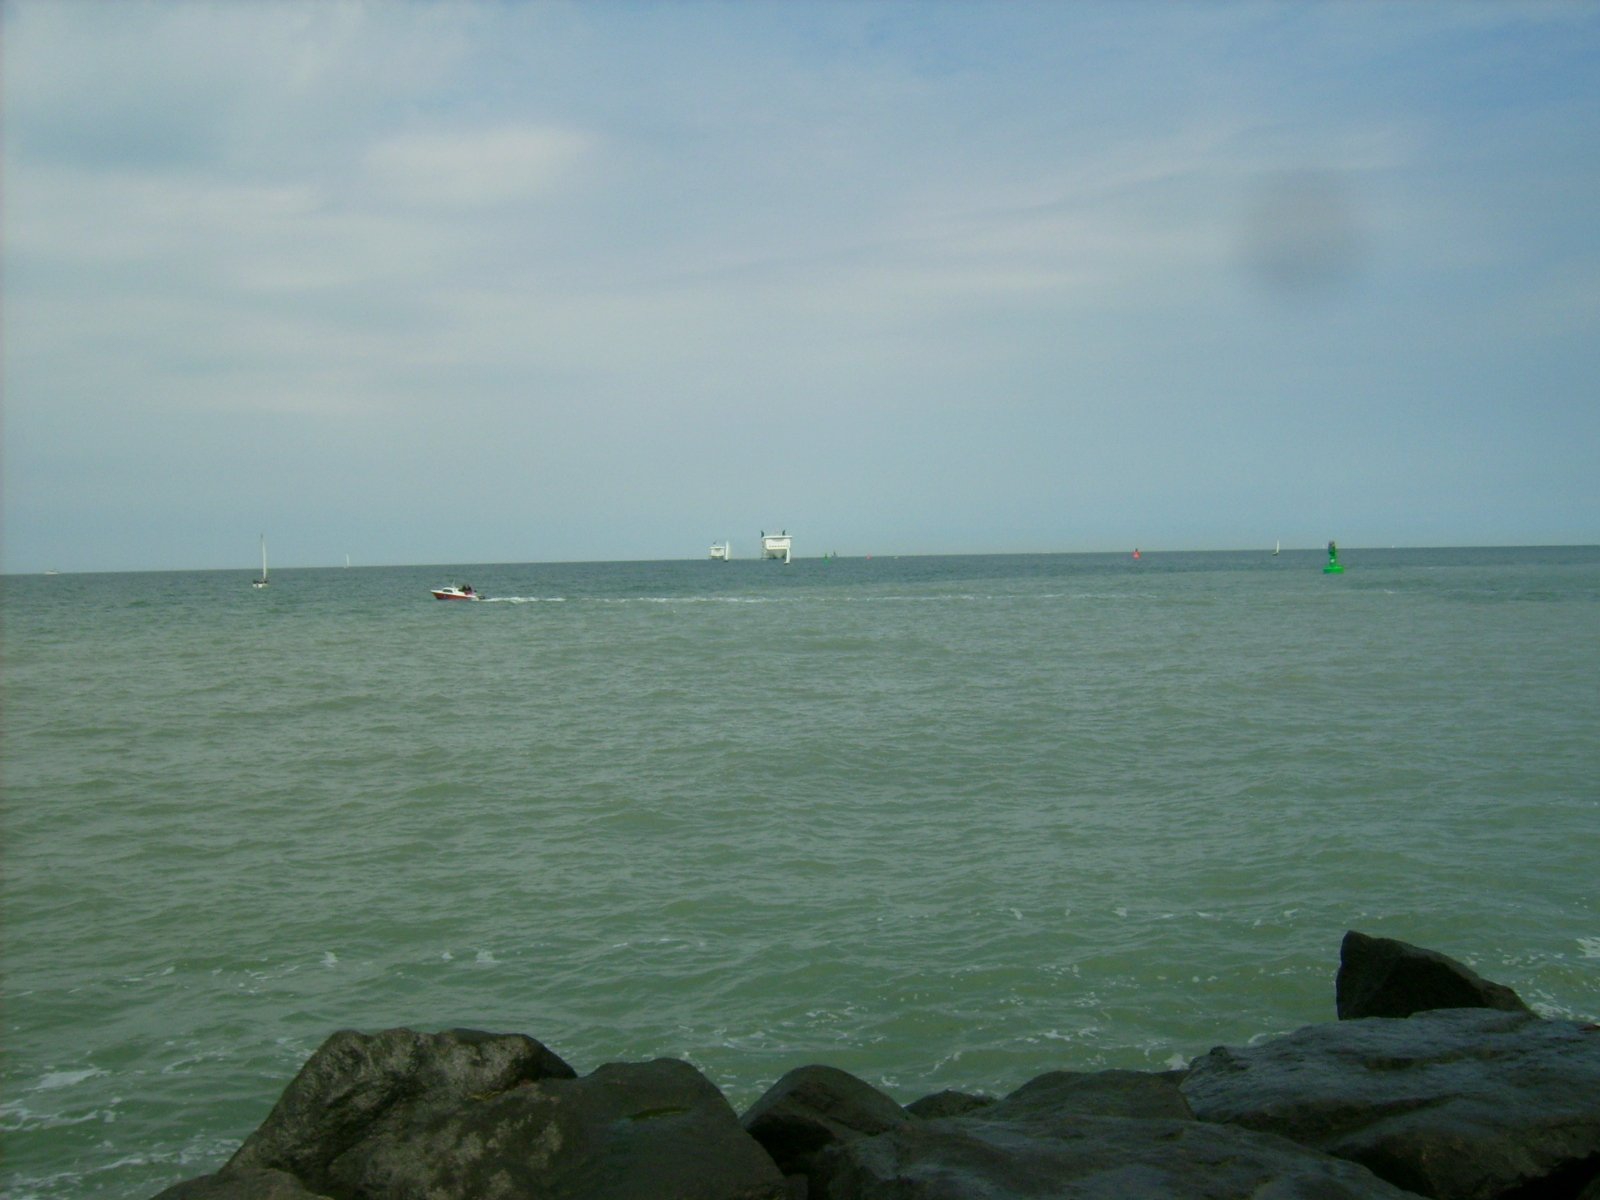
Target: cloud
(467,169)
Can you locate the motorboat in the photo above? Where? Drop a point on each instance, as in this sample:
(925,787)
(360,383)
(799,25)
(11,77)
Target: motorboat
(721,551)
(455,591)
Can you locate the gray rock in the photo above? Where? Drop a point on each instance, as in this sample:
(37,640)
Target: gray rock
(1458,1104)
(812,1107)
(1068,1094)
(1085,1158)
(357,1085)
(247,1184)
(628,1131)
(948,1103)
(474,1116)
(1381,977)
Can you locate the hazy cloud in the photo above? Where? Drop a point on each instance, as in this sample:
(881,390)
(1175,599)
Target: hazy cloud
(926,276)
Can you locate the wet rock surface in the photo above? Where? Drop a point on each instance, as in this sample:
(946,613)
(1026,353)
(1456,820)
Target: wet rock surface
(1382,977)
(1460,1104)
(1473,1099)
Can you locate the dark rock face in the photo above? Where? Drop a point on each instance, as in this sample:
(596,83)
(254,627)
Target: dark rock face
(1065,1094)
(473,1116)
(359,1086)
(948,1104)
(1458,1104)
(1483,1101)
(813,1107)
(1086,1158)
(240,1185)
(1380,977)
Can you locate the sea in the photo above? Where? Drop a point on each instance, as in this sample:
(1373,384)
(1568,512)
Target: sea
(941,822)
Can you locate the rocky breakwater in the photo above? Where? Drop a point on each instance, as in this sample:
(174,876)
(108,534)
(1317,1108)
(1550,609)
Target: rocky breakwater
(1434,1082)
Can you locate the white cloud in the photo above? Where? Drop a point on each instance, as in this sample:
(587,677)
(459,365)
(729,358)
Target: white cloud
(476,169)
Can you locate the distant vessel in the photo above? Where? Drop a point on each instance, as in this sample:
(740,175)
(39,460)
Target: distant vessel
(721,551)
(52,572)
(1136,553)
(777,545)
(455,591)
(1277,549)
(262,582)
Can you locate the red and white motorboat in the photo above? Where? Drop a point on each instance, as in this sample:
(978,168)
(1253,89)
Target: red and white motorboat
(456,592)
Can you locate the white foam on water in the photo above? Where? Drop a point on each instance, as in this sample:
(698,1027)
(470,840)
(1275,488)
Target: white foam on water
(1590,946)
(330,959)
(486,958)
(61,1079)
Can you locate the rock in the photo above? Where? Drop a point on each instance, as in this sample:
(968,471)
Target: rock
(948,1104)
(470,1116)
(1085,1158)
(1457,1104)
(356,1086)
(1381,977)
(628,1131)
(248,1184)
(812,1107)
(1065,1094)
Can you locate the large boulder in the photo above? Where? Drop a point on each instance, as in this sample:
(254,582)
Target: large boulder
(1085,1158)
(1458,1104)
(948,1103)
(628,1131)
(816,1106)
(358,1086)
(1382,977)
(1067,1094)
(240,1185)
(466,1116)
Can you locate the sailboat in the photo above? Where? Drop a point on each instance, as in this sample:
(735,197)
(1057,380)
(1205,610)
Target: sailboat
(1277,549)
(262,582)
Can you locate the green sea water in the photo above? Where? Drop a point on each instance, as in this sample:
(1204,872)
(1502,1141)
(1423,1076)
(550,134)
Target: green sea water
(941,822)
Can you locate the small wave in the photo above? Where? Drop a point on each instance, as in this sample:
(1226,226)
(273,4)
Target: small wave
(61,1079)
(1590,946)
(524,600)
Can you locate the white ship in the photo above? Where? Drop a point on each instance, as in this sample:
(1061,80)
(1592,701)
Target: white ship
(721,551)
(777,545)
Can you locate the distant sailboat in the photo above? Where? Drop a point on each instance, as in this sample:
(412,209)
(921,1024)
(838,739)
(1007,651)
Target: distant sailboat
(262,582)
(1277,548)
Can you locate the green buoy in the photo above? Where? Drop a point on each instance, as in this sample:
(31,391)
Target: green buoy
(1334,567)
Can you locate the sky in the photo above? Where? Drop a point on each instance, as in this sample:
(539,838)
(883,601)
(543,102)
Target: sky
(518,282)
